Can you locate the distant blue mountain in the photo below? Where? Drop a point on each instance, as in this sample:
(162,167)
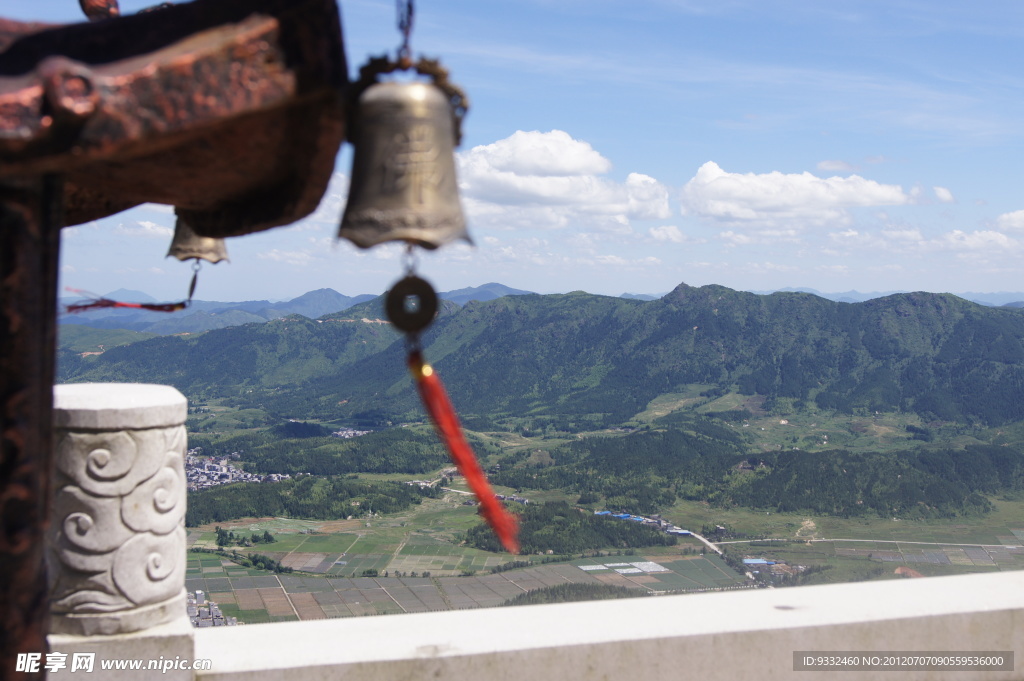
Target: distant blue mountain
(994,299)
(482,293)
(320,302)
(843,297)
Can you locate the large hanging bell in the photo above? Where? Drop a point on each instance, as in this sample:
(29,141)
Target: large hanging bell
(403,185)
(187,245)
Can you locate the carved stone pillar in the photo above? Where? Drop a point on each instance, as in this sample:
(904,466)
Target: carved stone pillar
(117,534)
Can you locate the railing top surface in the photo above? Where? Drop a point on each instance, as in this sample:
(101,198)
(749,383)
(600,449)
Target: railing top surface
(104,406)
(910,606)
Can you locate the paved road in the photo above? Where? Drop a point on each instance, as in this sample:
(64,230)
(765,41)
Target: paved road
(711,545)
(880,541)
(457,491)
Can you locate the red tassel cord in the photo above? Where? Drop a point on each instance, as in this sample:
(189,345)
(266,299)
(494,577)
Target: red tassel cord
(435,399)
(97,303)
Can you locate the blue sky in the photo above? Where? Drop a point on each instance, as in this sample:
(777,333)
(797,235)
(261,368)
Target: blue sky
(618,146)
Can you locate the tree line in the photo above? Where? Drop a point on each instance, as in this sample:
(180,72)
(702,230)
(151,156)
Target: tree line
(562,529)
(320,498)
(648,470)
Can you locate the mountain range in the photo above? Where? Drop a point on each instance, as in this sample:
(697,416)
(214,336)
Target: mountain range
(204,315)
(577,358)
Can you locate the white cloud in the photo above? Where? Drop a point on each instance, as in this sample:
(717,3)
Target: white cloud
(943,195)
(388,251)
(1014,220)
(648,198)
(514,218)
(763,236)
(735,239)
(667,233)
(834,269)
(771,267)
(615,261)
(144,228)
(544,154)
(295,258)
(911,235)
(979,240)
(912,242)
(776,198)
(835,166)
(535,180)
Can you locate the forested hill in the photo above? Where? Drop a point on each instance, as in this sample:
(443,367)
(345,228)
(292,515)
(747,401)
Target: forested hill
(579,354)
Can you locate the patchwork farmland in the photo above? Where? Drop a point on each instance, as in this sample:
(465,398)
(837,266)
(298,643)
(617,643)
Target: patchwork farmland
(257,596)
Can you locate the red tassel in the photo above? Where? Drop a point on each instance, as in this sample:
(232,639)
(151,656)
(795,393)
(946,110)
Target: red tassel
(97,303)
(436,401)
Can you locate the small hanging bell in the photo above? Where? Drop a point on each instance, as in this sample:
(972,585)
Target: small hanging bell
(187,245)
(403,185)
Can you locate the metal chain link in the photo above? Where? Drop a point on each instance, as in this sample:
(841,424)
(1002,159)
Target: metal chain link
(406,12)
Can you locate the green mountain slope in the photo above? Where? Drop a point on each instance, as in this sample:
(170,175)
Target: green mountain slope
(579,356)
(234,361)
(77,338)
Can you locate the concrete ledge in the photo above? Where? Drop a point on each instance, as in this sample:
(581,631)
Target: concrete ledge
(705,636)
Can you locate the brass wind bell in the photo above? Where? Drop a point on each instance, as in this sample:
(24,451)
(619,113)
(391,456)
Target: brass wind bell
(403,184)
(187,245)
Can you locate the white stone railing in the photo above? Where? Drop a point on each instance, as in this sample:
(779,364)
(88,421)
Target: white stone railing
(747,635)
(117,559)
(116,545)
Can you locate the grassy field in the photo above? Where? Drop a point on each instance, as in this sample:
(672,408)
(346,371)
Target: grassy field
(670,402)
(985,529)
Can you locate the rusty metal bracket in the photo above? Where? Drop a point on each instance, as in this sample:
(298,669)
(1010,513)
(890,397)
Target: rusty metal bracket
(230,110)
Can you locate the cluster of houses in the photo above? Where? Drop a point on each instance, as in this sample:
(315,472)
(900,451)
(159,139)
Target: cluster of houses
(348,433)
(501,497)
(445,473)
(513,497)
(654,520)
(202,472)
(204,613)
(775,567)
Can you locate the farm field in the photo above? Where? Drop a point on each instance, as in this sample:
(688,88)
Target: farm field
(255,596)
(414,561)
